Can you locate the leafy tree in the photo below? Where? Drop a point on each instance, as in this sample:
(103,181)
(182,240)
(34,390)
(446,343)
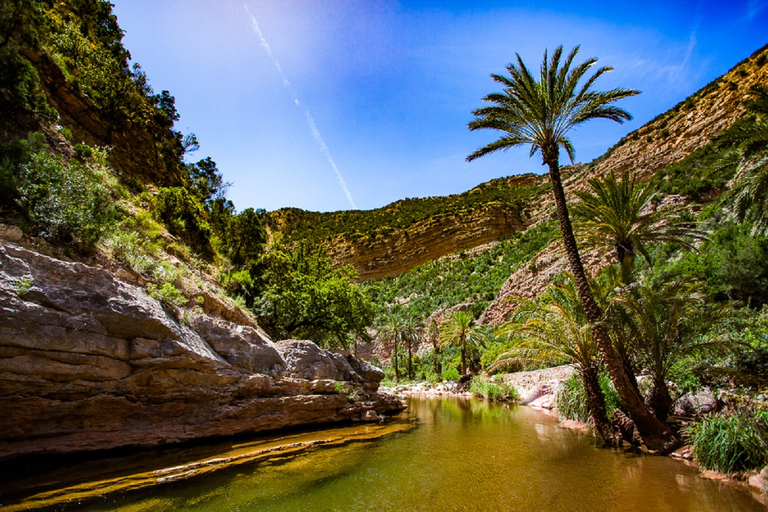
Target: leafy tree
(245,237)
(298,293)
(184,215)
(619,215)
(540,113)
(554,329)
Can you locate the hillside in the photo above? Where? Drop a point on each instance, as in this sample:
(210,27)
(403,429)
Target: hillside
(405,234)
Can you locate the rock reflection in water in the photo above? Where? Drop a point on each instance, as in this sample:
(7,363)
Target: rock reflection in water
(462,455)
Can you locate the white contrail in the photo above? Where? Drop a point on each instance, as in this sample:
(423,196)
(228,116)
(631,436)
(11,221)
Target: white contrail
(310,121)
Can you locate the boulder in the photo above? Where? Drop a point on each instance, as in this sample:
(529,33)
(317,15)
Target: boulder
(695,403)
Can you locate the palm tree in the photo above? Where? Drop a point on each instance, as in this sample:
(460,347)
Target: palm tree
(748,138)
(391,333)
(619,215)
(540,114)
(667,319)
(410,334)
(456,332)
(555,329)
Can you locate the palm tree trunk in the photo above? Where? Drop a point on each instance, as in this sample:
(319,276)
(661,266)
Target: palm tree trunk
(463,357)
(397,371)
(596,404)
(656,435)
(660,401)
(410,359)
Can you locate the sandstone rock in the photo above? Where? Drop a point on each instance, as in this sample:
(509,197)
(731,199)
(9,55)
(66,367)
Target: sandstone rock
(89,362)
(759,482)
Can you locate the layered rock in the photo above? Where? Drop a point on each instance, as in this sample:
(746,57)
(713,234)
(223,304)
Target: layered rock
(89,362)
(402,250)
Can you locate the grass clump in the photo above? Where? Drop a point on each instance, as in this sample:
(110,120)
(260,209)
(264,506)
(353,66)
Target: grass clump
(731,442)
(495,391)
(571,399)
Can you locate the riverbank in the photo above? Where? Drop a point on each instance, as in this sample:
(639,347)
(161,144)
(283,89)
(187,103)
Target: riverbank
(537,390)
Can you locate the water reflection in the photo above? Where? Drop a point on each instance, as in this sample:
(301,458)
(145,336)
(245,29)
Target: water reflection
(462,455)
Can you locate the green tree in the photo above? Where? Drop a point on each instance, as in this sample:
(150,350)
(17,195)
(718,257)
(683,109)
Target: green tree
(391,332)
(555,330)
(298,293)
(620,215)
(456,331)
(668,319)
(540,113)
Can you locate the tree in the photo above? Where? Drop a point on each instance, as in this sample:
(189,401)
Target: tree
(456,332)
(667,318)
(555,329)
(391,333)
(298,293)
(748,138)
(619,215)
(540,114)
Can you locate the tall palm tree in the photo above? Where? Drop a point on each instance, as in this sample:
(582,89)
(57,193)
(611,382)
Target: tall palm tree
(555,330)
(540,113)
(410,334)
(456,331)
(619,215)
(748,138)
(391,333)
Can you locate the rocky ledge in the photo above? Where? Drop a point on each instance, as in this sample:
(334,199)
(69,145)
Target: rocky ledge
(90,362)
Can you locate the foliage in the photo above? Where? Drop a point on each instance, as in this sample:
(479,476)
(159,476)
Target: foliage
(571,399)
(748,140)
(461,278)
(184,215)
(456,331)
(494,390)
(298,293)
(22,287)
(168,294)
(358,226)
(698,174)
(614,216)
(451,374)
(731,442)
(66,202)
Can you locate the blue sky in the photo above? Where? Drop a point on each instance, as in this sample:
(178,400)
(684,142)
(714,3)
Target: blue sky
(330,104)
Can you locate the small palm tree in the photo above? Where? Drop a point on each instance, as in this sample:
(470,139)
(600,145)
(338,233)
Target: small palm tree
(456,331)
(540,113)
(619,215)
(748,138)
(554,329)
(667,318)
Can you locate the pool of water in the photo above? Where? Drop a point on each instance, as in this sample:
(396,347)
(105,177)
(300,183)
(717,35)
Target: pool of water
(458,455)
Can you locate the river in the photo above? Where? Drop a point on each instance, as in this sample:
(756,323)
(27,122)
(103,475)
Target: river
(441,454)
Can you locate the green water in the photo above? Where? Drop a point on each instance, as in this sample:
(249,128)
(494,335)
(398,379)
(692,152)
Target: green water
(461,455)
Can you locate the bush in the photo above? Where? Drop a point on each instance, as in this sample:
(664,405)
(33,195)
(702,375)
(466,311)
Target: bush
(731,442)
(167,294)
(496,391)
(184,215)
(451,374)
(65,202)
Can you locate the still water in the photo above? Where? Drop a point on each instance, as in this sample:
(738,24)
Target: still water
(446,454)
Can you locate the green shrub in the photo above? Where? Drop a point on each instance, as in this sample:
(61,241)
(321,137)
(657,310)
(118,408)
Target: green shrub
(184,215)
(731,442)
(496,391)
(65,202)
(167,294)
(451,374)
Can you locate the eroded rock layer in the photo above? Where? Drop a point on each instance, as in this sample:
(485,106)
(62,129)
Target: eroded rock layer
(89,362)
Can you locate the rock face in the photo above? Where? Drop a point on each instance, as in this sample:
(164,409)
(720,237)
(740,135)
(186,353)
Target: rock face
(401,251)
(88,362)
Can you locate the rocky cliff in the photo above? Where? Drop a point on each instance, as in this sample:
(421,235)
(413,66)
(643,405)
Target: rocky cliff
(91,362)
(399,252)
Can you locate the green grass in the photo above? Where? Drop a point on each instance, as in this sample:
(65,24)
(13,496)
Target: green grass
(731,442)
(496,391)
(571,400)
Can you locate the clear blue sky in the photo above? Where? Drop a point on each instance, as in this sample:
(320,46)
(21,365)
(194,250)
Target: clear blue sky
(378,93)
